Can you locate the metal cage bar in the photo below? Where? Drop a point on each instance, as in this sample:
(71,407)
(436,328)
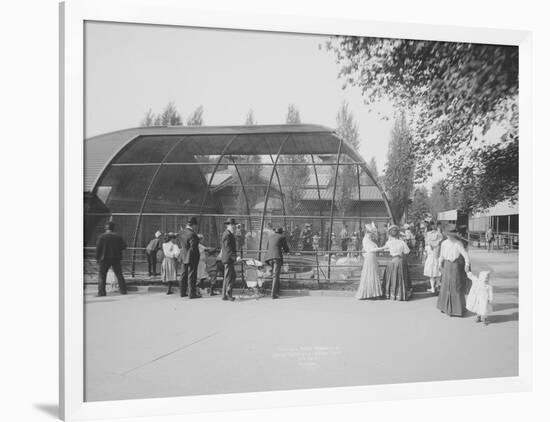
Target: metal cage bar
(318,188)
(144,201)
(359,198)
(207,190)
(267,196)
(247,203)
(332,207)
(280,189)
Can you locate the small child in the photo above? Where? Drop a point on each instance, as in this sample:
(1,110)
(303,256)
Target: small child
(316,239)
(480,296)
(212,268)
(111,280)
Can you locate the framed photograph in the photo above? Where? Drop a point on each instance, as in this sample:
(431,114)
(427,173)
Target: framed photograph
(268,211)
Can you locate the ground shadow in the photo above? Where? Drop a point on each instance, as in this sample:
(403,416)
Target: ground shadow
(49,409)
(265,297)
(422,295)
(497,319)
(503,306)
(98,300)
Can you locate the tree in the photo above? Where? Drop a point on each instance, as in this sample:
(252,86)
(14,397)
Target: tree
(293,115)
(169,117)
(250,118)
(196,119)
(346,127)
(458,91)
(148,119)
(250,175)
(346,182)
(438,199)
(420,207)
(293,177)
(373,168)
(399,174)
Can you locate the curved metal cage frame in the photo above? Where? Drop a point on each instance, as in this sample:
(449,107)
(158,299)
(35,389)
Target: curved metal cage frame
(226,138)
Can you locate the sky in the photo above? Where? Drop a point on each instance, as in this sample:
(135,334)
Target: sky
(131,68)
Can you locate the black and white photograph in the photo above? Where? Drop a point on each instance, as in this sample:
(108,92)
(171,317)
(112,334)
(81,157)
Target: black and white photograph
(269,211)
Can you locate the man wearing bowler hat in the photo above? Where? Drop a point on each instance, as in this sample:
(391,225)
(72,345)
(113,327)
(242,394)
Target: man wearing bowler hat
(229,257)
(276,246)
(190,256)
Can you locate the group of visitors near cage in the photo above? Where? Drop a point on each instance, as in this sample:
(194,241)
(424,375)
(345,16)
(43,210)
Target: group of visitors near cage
(447,266)
(200,265)
(447,263)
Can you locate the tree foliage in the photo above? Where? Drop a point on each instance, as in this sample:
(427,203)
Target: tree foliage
(293,177)
(250,120)
(439,200)
(346,127)
(196,118)
(293,115)
(250,175)
(420,206)
(168,117)
(399,174)
(346,182)
(458,92)
(373,168)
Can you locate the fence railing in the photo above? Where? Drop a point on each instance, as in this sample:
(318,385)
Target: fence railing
(299,266)
(502,241)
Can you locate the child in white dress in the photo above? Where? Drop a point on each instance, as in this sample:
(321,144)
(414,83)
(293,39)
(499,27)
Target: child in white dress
(111,280)
(480,296)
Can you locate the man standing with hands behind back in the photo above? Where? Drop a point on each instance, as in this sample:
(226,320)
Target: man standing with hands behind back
(190,256)
(229,257)
(108,253)
(276,245)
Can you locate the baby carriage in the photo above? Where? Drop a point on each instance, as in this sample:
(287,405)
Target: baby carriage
(254,277)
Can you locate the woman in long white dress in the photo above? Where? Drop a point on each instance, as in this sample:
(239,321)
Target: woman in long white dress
(171,253)
(433,245)
(201,268)
(370,286)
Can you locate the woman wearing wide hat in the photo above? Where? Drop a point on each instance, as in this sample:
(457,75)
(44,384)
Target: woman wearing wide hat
(168,268)
(397,283)
(454,262)
(370,286)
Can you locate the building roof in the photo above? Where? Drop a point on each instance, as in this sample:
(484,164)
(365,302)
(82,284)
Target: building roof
(502,208)
(368,193)
(220,180)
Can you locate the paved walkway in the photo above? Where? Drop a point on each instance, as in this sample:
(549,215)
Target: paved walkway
(153,345)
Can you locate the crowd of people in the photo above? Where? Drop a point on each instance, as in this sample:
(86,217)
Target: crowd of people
(447,266)
(447,263)
(200,265)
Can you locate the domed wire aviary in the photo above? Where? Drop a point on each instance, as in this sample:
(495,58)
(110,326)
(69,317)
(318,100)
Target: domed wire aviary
(300,177)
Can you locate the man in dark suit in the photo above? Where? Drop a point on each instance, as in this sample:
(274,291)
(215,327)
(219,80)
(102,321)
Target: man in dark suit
(276,246)
(108,253)
(229,257)
(189,256)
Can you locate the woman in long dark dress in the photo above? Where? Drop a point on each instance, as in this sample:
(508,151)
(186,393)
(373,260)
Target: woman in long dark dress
(454,262)
(397,283)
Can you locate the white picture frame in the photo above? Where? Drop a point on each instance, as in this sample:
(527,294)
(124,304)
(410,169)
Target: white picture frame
(73,14)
